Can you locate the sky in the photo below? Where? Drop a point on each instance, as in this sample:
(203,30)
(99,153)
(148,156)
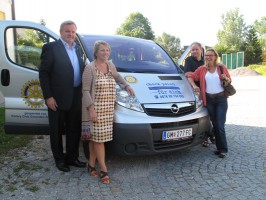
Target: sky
(190,21)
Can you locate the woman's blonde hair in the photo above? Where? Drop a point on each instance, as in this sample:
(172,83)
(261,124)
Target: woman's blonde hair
(216,56)
(97,47)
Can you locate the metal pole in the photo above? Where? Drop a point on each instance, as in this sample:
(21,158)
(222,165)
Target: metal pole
(13,10)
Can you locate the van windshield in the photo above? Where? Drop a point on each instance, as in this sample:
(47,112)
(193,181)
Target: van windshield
(133,54)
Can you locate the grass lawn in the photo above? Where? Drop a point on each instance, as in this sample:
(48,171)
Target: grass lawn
(8,142)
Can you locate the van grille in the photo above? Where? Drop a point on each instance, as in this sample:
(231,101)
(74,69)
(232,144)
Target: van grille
(175,124)
(166,110)
(163,145)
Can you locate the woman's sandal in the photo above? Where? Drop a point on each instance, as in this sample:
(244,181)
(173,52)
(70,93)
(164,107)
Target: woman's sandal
(92,170)
(205,143)
(104,177)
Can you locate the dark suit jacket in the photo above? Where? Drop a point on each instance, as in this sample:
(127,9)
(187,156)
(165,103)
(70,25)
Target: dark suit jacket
(56,73)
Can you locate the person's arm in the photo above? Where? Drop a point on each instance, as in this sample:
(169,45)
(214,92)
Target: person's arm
(226,75)
(45,69)
(119,79)
(195,76)
(44,76)
(88,91)
(87,84)
(194,86)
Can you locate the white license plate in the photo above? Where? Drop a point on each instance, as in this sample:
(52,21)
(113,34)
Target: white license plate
(177,134)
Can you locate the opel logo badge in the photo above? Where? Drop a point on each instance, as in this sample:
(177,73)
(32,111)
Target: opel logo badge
(174,109)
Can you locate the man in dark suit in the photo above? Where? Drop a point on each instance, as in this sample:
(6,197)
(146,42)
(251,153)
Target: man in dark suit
(60,75)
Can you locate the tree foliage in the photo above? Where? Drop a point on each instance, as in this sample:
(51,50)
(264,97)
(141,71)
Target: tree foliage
(42,36)
(260,27)
(136,25)
(32,37)
(253,49)
(30,42)
(231,37)
(171,44)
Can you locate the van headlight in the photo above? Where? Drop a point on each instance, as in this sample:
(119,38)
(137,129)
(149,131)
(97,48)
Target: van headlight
(199,102)
(127,101)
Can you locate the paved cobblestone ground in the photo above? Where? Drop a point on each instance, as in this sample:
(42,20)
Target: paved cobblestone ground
(29,173)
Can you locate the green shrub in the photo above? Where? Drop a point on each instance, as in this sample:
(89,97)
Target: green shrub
(259,68)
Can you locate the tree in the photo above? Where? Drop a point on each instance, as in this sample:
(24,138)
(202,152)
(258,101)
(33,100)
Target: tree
(136,25)
(231,37)
(260,27)
(171,44)
(42,36)
(33,37)
(252,48)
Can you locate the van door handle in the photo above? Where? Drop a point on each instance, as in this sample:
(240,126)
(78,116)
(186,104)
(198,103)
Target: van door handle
(5,77)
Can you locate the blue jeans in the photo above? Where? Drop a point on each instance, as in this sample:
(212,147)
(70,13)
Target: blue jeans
(217,108)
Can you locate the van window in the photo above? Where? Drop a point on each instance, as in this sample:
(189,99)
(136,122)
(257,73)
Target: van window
(24,46)
(133,55)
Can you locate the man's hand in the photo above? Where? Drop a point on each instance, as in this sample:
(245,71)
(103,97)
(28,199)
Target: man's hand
(51,103)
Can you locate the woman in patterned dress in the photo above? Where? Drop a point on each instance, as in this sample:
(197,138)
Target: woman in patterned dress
(99,92)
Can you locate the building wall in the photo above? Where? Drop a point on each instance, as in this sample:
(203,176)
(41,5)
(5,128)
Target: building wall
(5,9)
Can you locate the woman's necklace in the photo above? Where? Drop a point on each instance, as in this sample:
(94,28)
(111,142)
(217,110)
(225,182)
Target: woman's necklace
(102,67)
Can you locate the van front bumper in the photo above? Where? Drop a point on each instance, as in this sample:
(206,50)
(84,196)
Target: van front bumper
(146,139)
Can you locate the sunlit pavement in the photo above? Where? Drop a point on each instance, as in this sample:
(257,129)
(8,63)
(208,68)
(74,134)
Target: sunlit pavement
(30,173)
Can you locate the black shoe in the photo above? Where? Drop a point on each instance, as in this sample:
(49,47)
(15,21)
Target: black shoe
(63,167)
(222,155)
(216,152)
(77,163)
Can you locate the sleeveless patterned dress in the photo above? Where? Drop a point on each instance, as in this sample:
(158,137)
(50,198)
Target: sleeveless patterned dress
(104,102)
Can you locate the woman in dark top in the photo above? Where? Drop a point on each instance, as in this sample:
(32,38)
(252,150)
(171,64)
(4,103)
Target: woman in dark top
(195,60)
(192,63)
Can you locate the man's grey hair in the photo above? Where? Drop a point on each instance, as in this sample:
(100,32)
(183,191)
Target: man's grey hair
(68,22)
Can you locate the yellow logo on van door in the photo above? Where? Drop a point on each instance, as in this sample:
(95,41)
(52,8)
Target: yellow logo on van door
(32,94)
(130,79)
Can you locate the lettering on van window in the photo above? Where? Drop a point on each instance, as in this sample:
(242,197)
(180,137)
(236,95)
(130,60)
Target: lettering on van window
(32,94)
(165,90)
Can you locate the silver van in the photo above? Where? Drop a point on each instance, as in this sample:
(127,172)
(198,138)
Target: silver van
(165,116)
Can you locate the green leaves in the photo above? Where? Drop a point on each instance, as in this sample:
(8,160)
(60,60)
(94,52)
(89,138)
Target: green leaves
(136,25)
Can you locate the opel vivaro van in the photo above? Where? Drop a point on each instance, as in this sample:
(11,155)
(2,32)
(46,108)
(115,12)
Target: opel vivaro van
(164,116)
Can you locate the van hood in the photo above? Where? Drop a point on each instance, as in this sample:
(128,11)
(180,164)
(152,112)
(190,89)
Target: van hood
(160,88)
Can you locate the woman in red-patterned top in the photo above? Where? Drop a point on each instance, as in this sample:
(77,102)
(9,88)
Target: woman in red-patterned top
(213,95)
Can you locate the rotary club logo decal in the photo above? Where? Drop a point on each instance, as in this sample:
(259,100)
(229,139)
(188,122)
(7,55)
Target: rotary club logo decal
(130,79)
(32,94)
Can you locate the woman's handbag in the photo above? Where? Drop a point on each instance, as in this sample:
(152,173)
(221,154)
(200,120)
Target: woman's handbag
(229,89)
(86,133)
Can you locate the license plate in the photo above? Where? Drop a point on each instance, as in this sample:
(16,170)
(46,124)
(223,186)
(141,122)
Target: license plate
(177,134)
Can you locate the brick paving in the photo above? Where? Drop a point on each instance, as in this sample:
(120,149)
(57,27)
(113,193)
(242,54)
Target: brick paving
(30,173)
